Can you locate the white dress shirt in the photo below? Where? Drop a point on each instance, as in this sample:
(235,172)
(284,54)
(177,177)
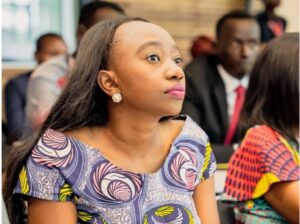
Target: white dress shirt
(231,83)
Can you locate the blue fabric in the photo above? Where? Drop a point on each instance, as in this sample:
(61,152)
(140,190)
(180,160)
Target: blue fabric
(15,101)
(62,168)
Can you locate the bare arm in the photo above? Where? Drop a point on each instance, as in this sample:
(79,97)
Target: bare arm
(51,212)
(205,202)
(284,198)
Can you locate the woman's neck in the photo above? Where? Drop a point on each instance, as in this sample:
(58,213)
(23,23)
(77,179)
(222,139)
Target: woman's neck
(140,130)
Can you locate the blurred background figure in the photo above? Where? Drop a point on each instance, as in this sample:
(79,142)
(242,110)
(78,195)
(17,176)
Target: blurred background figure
(49,78)
(203,44)
(216,84)
(263,174)
(48,46)
(271,25)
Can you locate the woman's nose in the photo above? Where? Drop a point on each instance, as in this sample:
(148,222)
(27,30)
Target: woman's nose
(175,72)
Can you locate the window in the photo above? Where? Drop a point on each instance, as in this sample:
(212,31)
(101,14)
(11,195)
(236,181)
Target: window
(23,21)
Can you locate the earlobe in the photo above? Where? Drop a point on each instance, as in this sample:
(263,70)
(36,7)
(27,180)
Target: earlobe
(107,82)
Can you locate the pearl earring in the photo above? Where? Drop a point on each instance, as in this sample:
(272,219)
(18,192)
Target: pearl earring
(117,97)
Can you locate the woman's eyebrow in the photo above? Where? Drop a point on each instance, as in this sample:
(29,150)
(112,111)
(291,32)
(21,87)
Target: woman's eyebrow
(152,43)
(148,44)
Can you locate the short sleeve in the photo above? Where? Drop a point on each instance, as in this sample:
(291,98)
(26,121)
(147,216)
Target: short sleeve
(209,166)
(199,142)
(42,178)
(42,183)
(279,163)
(264,158)
(193,160)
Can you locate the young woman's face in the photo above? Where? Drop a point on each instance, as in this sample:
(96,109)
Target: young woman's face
(147,64)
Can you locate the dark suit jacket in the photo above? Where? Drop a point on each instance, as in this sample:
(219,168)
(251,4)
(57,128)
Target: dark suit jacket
(265,32)
(15,101)
(206,103)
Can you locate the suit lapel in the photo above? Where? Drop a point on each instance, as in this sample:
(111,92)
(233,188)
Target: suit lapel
(221,104)
(218,95)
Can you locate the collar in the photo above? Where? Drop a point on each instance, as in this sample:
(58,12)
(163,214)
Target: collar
(230,82)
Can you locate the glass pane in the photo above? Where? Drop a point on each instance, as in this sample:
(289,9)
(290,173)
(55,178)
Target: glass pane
(23,21)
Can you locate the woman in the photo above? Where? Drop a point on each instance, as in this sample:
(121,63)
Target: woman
(111,150)
(263,174)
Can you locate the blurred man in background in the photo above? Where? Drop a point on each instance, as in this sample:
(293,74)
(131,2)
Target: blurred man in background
(48,45)
(216,84)
(49,78)
(271,25)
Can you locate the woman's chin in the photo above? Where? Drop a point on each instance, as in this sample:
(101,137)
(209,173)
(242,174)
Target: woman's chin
(173,111)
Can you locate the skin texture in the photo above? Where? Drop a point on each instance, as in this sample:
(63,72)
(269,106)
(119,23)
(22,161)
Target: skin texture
(46,212)
(148,64)
(51,47)
(238,46)
(205,201)
(284,198)
(152,66)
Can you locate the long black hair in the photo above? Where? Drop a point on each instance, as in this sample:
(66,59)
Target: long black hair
(273,95)
(81,103)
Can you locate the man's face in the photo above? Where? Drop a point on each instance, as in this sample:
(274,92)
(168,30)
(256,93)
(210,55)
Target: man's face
(238,45)
(51,47)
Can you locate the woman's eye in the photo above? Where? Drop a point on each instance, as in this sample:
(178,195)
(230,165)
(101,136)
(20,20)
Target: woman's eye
(153,58)
(178,60)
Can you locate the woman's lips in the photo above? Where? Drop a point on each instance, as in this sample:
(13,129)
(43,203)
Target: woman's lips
(177,91)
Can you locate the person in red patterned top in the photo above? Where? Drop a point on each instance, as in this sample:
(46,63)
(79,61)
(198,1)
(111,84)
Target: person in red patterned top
(263,174)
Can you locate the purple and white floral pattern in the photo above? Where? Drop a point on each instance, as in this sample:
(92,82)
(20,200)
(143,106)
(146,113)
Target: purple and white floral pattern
(62,168)
(114,185)
(53,150)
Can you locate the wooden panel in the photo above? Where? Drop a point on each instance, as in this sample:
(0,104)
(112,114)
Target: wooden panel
(183,19)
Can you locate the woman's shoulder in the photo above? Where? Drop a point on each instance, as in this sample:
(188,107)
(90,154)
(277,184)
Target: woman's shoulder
(183,127)
(262,129)
(55,144)
(261,134)
(52,135)
(77,133)
(193,130)
(193,139)
(191,146)
(264,142)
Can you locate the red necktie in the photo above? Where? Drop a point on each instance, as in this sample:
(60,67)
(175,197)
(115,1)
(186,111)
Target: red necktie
(276,27)
(239,100)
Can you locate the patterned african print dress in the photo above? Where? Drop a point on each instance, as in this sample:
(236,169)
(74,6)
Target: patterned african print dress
(264,158)
(62,168)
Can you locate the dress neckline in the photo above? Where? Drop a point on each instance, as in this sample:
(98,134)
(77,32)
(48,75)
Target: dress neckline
(186,119)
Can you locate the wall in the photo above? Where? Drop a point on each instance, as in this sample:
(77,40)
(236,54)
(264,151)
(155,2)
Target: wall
(183,19)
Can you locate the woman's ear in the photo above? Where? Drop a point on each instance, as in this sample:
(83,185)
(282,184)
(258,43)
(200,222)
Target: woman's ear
(108,82)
